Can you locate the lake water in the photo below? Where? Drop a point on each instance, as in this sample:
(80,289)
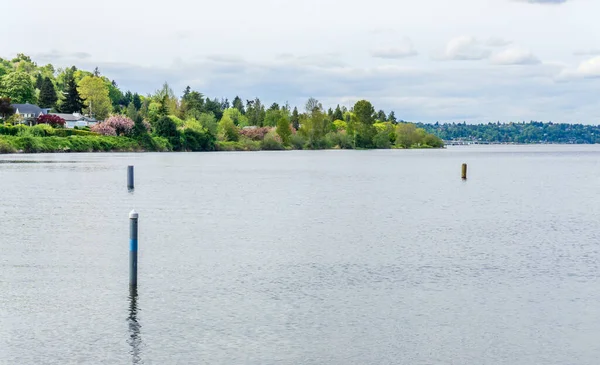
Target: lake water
(307,257)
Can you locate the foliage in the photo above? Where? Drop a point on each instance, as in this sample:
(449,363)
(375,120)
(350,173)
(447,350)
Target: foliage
(272,142)
(48,97)
(297,141)
(18,87)
(339,125)
(284,131)
(95,93)
(51,119)
(227,130)
(6,109)
(72,102)
(339,139)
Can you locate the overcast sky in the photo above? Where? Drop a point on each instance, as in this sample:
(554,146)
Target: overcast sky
(428,60)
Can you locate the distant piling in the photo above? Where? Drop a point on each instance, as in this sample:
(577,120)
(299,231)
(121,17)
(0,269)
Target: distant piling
(130,185)
(133,248)
(464,171)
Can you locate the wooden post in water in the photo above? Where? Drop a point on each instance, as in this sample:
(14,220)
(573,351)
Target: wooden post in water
(464,171)
(130,185)
(133,248)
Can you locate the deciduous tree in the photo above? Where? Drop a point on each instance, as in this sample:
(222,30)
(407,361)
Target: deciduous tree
(95,93)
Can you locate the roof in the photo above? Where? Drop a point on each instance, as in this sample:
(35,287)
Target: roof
(69,117)
(28,109)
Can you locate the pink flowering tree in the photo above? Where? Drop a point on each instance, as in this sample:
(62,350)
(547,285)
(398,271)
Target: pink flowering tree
(120,123)
(104,129)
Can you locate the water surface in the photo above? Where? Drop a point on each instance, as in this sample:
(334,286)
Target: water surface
(305,257)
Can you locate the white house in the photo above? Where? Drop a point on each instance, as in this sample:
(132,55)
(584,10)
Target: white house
(29,112)
(76,120)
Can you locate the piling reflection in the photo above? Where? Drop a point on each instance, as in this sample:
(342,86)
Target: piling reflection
(135,339)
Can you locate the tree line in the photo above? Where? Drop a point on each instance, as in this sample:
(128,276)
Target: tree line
(193,116)
(530,132)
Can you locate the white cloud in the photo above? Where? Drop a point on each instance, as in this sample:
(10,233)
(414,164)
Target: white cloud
(588,52)
(514,56)
(465,48)
(588,69)
(497,42)
(403,49)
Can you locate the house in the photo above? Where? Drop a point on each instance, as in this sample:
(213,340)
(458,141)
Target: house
(29,112)
(76,120)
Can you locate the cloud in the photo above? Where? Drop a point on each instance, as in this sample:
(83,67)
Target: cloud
(404,49)
(54,54)
(465,48)
(589,52)
(497,42)
(588,69)
(514,56)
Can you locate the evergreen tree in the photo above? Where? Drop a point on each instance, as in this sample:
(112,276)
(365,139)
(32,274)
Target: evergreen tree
(239,104)
(137,101)
(186,92)
(381,116)
(337,114)
(295,119)
(39,81)
(73,102)
(392,117)
(48,97)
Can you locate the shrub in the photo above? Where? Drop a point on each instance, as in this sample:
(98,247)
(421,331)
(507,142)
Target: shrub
(272,142)
(193,140)
(339,139)
(104,129)
(297,141)
(42,130)
(51,119)
(256,133)
(6,147)
(382,140)
(120,123)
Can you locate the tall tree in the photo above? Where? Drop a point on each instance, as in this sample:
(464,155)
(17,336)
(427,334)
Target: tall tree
(192,101)
(114,94)
(97,72)
(39,80)
(48,96)
(18,87)
(213,106)
(295,119)
(73,103)
(137,101)
(381,116)
(6,109)
(239,104)
(255,111)
(392,117)
(364,117)
(337,114)
(95,93)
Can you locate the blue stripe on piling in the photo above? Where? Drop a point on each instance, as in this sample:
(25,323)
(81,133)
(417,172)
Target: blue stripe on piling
(133,245)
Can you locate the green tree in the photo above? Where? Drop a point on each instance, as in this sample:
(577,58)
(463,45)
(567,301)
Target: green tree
(255,112)
(39,80)
(337,114)
(192,101)
(6,109)
(364,114)
(295,119)
(208,121)
(94,91)
(227,129)
(283,130)
(137,101)
(131,112)
(392,117)
(239,105)
(406,135)
(18,87)
(238,118)
(114,94)
(48,97)
(73,102)
(381,116)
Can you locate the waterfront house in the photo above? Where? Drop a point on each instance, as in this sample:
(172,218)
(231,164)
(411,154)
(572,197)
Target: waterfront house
(76,120)
(29,113)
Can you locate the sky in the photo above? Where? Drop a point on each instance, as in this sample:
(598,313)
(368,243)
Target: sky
(477,61)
